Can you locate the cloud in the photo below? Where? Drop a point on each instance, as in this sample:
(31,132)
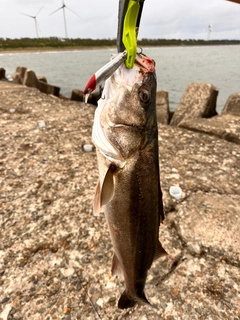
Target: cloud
(160,19)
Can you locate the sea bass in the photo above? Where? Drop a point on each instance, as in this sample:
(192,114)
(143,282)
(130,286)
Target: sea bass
(125,134)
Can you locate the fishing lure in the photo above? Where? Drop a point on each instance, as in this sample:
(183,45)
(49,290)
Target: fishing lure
(104,73)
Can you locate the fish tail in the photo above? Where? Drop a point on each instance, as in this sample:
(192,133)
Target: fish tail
(128,301)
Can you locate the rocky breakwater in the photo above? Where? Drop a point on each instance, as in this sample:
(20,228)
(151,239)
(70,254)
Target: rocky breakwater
(55,256)
(28,77)
(197,112)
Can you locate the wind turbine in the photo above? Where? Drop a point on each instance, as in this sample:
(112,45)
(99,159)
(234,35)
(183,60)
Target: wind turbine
(64,16)
(209,31)
(35,19)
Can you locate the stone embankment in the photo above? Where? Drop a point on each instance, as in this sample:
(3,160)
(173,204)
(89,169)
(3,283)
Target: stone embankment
(55,256)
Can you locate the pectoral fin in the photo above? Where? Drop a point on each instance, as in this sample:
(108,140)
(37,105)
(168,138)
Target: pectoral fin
(105,193)
(107,190)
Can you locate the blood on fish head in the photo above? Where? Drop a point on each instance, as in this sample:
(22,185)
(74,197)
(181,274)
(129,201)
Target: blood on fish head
(147,63)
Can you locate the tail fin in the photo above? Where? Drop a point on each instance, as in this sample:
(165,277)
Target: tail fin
(128,301)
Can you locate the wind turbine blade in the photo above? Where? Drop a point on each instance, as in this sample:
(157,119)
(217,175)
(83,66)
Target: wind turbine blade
(39,10)
(56,11)
(27,15)
(73,12)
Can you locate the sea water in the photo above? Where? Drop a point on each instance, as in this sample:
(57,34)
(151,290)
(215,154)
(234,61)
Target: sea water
(176,67)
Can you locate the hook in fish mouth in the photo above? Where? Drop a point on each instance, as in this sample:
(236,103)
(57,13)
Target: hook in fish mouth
(86,96)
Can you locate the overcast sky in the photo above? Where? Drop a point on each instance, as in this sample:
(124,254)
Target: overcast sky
(179,19)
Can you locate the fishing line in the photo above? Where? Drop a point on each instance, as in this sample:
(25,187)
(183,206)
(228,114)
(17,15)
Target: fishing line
(94,307)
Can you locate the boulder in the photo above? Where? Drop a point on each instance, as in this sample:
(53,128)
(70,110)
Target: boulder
(3,74)
(162,107)
(16,78)
(48,88)
(232,105)
(77,95)
(30,79)
(42,79)
(225,126)
(19,74)
(198,101)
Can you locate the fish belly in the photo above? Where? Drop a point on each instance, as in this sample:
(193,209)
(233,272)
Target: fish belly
(133,220)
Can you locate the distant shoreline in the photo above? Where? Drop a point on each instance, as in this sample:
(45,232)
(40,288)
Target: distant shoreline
(71,48)
(48,49)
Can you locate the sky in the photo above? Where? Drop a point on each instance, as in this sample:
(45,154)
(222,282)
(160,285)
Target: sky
(98,19)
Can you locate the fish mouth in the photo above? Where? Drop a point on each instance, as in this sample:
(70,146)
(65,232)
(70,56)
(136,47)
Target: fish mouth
(127,125)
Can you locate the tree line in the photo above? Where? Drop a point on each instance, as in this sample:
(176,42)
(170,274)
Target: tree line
(54,42)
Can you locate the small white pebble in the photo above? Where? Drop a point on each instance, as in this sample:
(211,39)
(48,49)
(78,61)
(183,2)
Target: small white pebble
(41,124)
(88,147)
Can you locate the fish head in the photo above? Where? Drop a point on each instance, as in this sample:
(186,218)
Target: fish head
(126,113)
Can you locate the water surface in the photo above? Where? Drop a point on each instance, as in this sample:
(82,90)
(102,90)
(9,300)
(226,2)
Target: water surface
(176,67)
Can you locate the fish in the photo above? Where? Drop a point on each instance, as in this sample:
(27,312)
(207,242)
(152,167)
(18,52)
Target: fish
(125,134)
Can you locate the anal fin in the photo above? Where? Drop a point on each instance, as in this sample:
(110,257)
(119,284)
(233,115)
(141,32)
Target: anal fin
(116,268)
(160,251)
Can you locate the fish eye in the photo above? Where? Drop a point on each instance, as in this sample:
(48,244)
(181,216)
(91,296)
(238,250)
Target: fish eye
(144,95)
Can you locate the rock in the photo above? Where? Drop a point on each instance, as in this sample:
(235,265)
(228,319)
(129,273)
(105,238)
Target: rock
(205,288)
(77,95)
(19,74)
(198,101)
(16,78)
(232,105)
(42,79)
(30,79)
(212,222)
(225,126)
(48,88)
(3,75)
(162,107)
